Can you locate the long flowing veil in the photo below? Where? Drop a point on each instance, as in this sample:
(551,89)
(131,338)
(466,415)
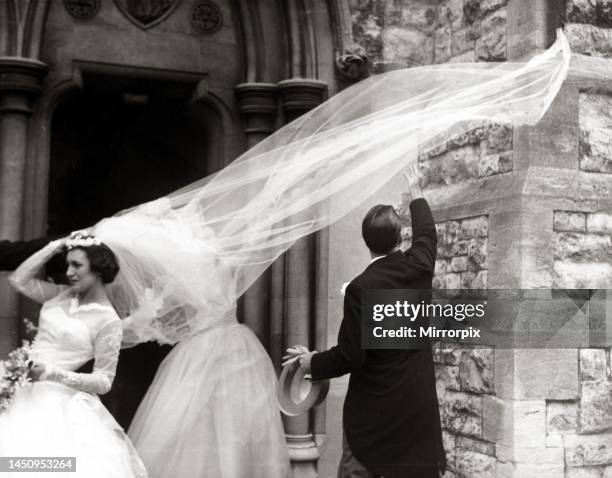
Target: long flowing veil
(186,258)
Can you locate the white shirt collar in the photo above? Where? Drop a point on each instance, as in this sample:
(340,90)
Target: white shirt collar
(376,258)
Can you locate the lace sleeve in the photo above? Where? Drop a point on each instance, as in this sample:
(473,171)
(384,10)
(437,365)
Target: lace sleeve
(24,278)
(107,345)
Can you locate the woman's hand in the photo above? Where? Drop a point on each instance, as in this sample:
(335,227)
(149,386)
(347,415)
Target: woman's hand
(36,370)
(58,245)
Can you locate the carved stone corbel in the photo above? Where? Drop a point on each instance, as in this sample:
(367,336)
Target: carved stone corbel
(353,65)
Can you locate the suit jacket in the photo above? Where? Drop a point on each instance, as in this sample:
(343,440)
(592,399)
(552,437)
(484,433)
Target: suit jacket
(14,253)
(391,416)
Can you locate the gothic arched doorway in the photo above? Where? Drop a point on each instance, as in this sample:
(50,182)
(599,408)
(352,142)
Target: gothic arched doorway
(117,144)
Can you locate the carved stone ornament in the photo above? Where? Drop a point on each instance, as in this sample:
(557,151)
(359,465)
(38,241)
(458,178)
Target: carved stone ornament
(82,9)
(206,17)
(353,66)
(147,13)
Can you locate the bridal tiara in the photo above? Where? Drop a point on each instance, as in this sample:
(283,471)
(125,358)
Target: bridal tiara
(82,239)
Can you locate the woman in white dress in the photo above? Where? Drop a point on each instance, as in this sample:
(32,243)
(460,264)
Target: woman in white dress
(211,409)
(60,414)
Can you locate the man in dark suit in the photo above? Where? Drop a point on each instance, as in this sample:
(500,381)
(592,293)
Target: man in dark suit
(391,418)
(14,253)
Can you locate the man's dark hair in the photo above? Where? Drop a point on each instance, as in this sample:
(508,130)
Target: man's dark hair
(102,261)
(381,229)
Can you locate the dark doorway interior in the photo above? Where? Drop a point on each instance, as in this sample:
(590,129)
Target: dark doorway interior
(119,144)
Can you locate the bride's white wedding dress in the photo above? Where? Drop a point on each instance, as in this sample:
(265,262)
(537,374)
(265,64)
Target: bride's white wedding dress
(61,415)
(211,410)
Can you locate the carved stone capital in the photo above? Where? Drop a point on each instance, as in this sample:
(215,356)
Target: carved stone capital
(257,103)
(256,98)
(300,95)
(20,82)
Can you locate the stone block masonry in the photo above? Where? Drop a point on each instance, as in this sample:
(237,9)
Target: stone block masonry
(588,26)
(596,131)
(480,152)
(582,250)
(396,34)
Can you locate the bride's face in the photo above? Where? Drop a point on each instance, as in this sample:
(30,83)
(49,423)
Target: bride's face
(79,273)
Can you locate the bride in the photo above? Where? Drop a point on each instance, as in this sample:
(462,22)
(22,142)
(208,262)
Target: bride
(60,414)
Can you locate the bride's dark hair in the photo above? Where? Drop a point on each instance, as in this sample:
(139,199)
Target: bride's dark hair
(102,261)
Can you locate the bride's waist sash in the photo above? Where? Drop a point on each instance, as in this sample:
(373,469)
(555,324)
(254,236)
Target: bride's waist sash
(227,320)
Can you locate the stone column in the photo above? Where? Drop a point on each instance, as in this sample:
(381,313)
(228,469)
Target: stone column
(300,271)
(20,84)
(257,103)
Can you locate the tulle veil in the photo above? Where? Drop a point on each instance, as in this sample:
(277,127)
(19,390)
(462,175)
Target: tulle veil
(186,258)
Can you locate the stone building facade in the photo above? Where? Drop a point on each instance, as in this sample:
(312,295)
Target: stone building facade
(108,103)
(528,208)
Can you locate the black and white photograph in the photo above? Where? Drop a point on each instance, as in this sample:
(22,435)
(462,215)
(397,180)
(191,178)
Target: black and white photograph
(306,238)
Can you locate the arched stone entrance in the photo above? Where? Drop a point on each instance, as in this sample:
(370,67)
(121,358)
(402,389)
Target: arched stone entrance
(118,143)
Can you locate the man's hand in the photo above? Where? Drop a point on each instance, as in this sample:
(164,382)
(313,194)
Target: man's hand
(301,354)
(293,354)
(412,176)
(305,361)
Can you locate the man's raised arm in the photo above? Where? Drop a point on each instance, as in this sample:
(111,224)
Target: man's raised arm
(424,237)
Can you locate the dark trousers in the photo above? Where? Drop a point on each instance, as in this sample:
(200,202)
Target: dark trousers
(350,467)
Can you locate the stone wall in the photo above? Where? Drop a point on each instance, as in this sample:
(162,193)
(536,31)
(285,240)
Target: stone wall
(582,250)
(399,33)
(481,152)
(462,254)
(464,378)
(595,120)
(588,26)
(582,426)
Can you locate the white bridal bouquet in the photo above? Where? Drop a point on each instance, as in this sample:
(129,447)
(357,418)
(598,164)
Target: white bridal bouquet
(15,370)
